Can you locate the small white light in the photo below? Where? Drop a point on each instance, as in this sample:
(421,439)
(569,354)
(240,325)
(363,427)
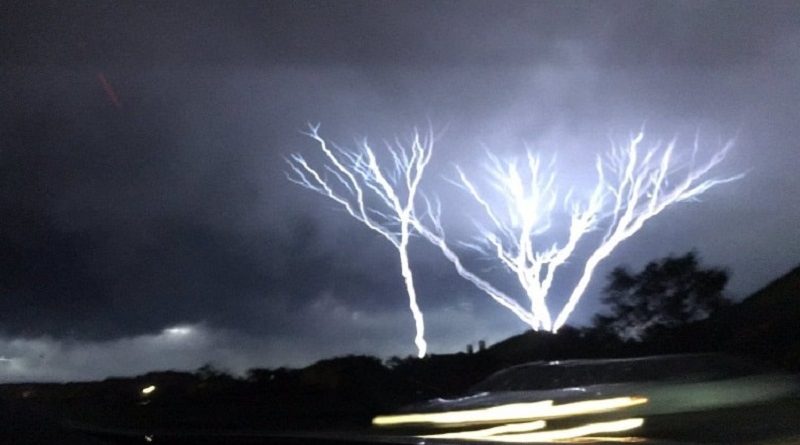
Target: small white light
(178,331)
(148,390)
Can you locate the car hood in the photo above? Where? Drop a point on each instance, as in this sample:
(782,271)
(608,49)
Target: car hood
(663,397)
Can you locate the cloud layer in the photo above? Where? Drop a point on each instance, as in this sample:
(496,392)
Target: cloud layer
(171,208)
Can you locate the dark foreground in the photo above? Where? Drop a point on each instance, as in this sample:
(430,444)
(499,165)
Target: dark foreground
(774,423)
(697,407)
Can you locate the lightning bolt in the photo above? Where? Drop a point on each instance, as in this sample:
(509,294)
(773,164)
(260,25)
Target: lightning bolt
(382,200)
(641,191)
(631,189)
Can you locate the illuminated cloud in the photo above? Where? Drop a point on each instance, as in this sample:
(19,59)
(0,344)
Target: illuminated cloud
(179,331)
(177,209)
(342,328)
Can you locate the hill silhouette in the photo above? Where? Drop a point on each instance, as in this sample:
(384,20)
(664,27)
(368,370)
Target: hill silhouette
(766,324)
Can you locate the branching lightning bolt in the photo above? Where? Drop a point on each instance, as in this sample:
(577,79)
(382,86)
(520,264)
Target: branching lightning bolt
(355,180)
(641,191)
(637,189)
(631,189)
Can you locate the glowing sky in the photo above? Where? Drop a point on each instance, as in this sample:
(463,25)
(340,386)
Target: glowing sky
(143,202)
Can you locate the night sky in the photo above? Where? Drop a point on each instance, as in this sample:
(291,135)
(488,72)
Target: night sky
(146,221)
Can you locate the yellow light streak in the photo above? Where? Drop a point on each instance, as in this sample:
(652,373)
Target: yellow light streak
(604,439)
(494,431)
(148,390)
(514,412)
(551,435)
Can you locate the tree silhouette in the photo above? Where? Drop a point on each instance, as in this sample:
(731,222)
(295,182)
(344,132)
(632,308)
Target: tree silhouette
(667,293)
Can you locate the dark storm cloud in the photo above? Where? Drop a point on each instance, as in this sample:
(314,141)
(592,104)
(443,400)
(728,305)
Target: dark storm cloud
(689,33)
(171,207)
(254,33)
(694,35)
(113,226)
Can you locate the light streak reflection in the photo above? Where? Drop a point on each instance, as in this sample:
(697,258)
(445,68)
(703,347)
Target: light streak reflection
(524,422)
(604,439)
(485,433)
(514,412)
(615,426)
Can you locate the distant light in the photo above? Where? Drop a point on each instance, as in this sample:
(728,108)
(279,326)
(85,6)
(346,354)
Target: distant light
(148,390)
(178,331)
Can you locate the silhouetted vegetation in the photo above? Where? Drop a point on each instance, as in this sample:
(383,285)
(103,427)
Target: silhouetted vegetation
(666,294)
(766,324)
